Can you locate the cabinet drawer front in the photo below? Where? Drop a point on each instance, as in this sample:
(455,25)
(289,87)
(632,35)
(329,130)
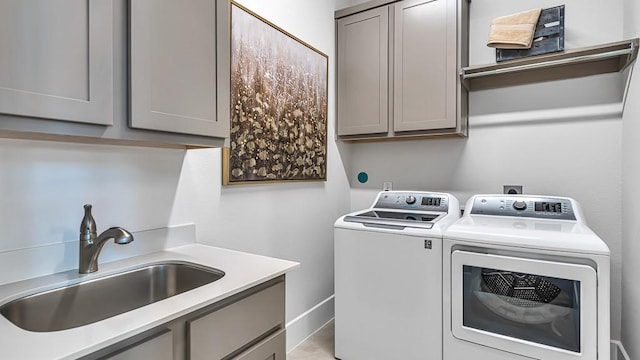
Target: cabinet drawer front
(218,334)
(271,348)
(159,347)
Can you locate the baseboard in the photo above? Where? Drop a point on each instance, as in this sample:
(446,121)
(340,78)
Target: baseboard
(300,328)
(618,351)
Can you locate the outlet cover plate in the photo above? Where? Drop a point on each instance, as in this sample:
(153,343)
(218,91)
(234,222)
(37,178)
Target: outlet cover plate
(512,189)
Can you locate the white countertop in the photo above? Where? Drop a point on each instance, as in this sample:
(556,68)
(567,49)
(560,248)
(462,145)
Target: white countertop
(242,271)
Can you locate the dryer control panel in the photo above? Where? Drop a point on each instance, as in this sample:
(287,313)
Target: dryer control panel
(524,206)
(423,201)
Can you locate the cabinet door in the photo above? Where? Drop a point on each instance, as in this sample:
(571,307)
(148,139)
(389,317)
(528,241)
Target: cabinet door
(56,59)
(159,347)
(363,53)
(425,65)
(272,348)
(173,67)
(223,332)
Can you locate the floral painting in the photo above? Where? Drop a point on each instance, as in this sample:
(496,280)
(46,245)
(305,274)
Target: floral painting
(278,104)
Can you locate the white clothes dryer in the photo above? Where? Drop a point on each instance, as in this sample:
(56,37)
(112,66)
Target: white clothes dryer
(388,277)
(525,278)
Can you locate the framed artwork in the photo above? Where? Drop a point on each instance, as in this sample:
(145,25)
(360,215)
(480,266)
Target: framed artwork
(278,105)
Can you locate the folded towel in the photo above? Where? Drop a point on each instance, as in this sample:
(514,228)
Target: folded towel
(514,31)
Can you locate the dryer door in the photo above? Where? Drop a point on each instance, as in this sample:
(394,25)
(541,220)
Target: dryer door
(541,309)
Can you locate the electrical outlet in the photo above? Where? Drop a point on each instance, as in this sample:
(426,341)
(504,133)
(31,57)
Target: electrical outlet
(512,189)
(387,186)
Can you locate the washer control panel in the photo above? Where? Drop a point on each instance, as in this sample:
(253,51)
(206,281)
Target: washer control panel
(524,206)
(424,201)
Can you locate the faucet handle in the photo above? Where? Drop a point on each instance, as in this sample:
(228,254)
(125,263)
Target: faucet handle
(88,225)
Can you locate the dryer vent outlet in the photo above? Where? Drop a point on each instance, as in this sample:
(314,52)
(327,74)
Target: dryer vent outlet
(512,189)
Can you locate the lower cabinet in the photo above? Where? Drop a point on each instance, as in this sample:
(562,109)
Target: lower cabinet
(246,326)
(158,347)
(232,329)
(272,348)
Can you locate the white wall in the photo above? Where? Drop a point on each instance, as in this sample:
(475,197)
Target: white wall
(45,185)
(631,197)
(511,141)
(291,221)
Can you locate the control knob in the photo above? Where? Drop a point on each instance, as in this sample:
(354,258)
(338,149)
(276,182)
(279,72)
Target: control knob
(411,199)
(519,205)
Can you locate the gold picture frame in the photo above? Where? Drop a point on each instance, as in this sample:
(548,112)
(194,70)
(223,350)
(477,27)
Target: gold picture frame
(279,105)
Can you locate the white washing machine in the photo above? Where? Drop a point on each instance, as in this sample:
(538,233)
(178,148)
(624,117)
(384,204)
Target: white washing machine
(388,277)
(525,278)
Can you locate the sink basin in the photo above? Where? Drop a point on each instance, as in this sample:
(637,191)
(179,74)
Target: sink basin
(98,299)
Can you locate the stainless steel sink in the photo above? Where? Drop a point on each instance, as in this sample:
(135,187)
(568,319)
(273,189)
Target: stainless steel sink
(98,299)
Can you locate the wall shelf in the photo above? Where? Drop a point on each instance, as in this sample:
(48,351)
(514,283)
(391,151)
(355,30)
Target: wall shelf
(601,59)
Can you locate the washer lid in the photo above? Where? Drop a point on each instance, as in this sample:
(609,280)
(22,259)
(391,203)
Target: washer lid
(394,219)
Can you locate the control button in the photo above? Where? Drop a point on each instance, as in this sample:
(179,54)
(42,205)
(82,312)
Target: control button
(411,199)
(519,205)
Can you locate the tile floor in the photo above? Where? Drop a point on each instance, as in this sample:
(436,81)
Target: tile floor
(318,346)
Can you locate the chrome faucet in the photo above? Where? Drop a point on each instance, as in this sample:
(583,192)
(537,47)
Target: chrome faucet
(91,243)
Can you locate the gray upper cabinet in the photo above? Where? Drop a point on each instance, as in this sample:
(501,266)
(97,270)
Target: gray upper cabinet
(415,73)
(363,46)
(56,60)
(117,72)
(425,65)
(173,67)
